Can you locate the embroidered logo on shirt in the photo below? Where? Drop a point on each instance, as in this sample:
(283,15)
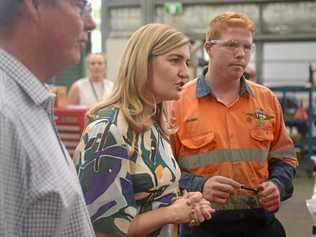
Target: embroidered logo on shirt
(260,116)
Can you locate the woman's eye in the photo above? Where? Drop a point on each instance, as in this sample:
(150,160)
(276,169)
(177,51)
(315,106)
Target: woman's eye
(174,60)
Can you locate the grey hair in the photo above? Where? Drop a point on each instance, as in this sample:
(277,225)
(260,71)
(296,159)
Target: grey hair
(9,11)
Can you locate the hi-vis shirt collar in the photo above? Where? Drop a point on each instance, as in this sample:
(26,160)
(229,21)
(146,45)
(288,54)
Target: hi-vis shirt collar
(202,89)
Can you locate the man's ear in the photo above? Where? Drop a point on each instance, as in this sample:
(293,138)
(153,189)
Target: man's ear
(207,47)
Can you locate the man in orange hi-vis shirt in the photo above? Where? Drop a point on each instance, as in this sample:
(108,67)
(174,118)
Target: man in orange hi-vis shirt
(231,141)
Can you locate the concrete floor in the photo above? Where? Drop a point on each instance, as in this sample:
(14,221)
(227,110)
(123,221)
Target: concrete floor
(293,213)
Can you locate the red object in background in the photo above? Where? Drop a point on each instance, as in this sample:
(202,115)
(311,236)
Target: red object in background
(70,123)
(300,113)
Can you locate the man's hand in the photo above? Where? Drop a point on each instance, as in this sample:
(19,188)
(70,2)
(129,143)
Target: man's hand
(269,196)
(217,189)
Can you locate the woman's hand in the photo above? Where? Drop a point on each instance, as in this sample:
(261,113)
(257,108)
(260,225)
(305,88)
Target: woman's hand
(201,209)
(180,210)
(201,212)
(191,208)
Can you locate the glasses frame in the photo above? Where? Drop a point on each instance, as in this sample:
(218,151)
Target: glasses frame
(84,6)
(248,50)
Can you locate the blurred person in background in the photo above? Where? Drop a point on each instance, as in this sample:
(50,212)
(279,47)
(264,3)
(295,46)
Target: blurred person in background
(125,163)
(40,194)
(232,143)
(89,91)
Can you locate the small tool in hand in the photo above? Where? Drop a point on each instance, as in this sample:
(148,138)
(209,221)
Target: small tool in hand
(250,189)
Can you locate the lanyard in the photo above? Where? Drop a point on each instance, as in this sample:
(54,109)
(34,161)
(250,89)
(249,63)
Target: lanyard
(95,92)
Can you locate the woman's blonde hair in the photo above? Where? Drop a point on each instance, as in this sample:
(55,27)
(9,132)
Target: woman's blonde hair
(130,89)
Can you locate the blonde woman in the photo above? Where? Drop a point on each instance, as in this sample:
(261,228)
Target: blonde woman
(93,89)
(126,167)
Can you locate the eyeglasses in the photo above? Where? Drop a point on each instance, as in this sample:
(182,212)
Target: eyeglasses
(84,6)
(234,46)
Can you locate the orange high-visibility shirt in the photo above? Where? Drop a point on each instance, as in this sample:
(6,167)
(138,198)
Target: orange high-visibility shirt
(237,141)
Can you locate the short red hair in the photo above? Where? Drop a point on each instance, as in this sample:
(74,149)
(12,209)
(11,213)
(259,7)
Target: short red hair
(228,19)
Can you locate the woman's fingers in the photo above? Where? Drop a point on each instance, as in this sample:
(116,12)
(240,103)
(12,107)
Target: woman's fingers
(202,211)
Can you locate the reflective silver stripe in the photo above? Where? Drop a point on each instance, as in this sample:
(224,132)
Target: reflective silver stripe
(221,156)
(284,153)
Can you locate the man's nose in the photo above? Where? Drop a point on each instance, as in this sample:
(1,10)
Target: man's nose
(89,23)
(240,51)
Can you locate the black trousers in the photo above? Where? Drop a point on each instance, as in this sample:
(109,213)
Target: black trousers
(270,227)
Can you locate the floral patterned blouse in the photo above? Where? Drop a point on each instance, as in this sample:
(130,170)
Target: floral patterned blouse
(124,173)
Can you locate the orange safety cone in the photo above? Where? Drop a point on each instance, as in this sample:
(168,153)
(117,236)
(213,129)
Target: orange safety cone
(300,113)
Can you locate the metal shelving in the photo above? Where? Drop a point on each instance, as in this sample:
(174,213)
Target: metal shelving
(284,90)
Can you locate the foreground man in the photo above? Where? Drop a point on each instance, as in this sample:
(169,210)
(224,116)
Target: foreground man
(39,191)
(232,144)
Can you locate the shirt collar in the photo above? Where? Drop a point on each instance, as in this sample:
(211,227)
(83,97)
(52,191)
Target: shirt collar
(202,89)
(33,87)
